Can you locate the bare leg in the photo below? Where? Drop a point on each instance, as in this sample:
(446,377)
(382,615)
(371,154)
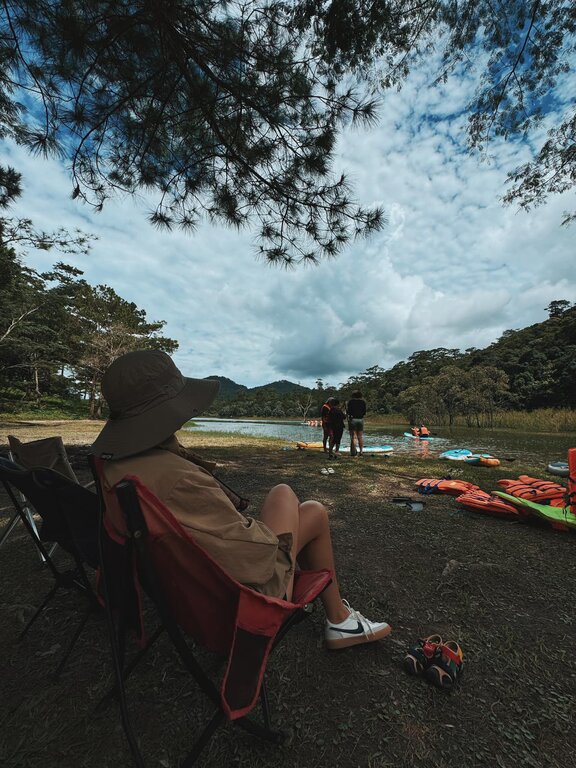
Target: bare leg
(360,441)
(308,523)
(331,444)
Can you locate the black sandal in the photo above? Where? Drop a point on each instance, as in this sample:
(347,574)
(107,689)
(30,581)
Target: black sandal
(421,656)
(446,666)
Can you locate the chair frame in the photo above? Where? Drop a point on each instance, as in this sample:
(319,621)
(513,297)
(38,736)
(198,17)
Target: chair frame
(22,513)
(137,555)
(47,452)
(43,485)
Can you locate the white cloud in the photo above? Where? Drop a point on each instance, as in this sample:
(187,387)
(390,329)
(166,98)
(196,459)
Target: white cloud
(453,268)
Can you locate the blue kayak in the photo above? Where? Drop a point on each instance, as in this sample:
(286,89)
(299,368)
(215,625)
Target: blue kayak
(456,454)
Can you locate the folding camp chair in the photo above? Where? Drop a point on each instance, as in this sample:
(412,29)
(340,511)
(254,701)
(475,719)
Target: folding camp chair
(48,452)
(196,598)
(69,514)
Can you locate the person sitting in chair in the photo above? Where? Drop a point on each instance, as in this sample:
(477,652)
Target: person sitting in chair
(149,399)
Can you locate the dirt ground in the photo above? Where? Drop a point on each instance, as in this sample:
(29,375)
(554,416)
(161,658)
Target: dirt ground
(504,590)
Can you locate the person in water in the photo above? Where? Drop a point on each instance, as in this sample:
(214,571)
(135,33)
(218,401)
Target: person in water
(149,400)
(423,431)
(356,410)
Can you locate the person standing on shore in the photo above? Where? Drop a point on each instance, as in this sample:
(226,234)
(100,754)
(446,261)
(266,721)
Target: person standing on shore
(336,420)
(356,410)
(325,419)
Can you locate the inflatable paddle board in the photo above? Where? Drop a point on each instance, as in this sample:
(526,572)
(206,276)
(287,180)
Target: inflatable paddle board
(559,517)
(455,454)
(366,449)
(559,468)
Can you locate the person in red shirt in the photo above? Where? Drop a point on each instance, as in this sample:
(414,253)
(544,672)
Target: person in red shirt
(325,419)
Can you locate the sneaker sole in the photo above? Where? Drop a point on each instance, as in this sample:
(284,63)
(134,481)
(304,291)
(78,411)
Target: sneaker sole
(348,642)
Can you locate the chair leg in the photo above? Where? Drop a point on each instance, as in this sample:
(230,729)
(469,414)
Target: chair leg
(203,739)
(72,642)
(265,706)
(38,611)
(276,737)
(34,528)
(11,525)
(113,692)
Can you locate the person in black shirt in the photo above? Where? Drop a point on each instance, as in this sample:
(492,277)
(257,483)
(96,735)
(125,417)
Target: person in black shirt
(356,410)
(336,421)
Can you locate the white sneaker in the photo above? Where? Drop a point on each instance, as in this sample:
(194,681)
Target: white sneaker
(354,630)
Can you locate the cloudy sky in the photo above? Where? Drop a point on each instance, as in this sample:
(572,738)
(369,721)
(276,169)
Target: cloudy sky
(453,268)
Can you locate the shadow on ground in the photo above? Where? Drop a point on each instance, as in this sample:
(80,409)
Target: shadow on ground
(504,590)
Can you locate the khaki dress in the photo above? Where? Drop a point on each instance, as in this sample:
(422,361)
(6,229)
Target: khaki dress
(245,548)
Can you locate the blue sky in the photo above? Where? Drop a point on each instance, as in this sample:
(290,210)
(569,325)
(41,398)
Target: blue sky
(453,268)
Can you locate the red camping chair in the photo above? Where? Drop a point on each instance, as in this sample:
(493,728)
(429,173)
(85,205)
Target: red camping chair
(195,597)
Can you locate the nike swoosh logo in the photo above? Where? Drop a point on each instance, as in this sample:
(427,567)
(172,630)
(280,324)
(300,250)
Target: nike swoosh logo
(358,631)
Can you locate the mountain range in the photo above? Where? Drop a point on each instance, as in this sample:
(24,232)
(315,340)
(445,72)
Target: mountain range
(230,389)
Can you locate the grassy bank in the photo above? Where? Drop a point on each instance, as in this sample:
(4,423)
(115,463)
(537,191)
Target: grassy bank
(549,420)
(504,590)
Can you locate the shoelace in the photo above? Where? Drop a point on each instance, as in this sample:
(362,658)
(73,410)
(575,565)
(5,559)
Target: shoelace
(354,614)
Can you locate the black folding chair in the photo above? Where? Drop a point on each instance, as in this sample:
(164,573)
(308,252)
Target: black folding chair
(48,452)
(69,515)
(197,600)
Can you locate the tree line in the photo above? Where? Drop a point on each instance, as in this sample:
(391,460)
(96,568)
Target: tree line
(527,369)
(58,333)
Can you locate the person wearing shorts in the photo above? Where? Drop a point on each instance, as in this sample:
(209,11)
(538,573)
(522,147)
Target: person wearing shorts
(356,410)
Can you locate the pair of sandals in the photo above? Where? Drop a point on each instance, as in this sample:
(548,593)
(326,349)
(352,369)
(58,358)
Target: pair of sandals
(328,471)
(439,662)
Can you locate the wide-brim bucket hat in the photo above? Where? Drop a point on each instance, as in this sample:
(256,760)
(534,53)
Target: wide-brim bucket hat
(149,399)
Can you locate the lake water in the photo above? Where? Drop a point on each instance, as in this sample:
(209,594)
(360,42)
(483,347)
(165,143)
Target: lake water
(534,446)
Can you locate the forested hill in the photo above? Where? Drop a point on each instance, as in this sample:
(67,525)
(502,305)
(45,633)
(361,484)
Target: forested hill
(540,361)
(534,367)
(229,390)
